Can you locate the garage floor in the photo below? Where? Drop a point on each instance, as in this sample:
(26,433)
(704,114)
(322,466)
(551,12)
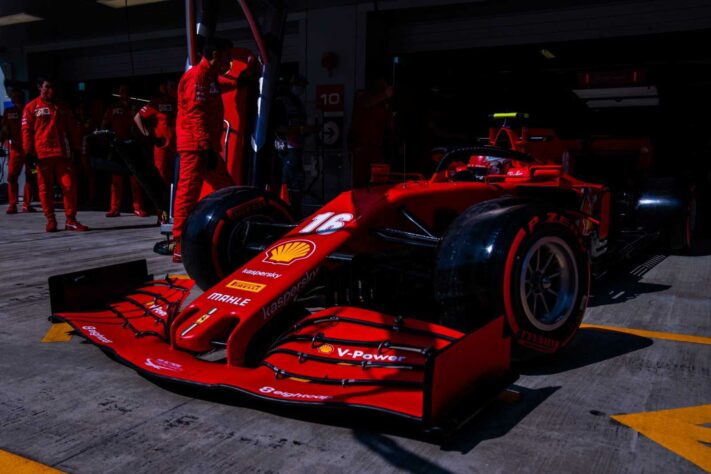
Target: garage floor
(67,405)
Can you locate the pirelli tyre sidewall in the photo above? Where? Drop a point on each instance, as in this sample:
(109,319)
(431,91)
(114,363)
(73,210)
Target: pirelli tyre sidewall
(486,265)
(212,242)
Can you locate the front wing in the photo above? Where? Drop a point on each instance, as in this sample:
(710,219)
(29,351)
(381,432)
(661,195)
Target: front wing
(341,357)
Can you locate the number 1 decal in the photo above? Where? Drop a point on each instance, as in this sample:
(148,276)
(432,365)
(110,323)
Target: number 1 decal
(327,223)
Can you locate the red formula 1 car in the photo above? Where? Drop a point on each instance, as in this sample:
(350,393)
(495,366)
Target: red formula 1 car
(430,287)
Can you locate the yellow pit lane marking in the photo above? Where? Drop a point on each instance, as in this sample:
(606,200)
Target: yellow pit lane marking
(669,336)
(679,430)
(14,464)
(58,333)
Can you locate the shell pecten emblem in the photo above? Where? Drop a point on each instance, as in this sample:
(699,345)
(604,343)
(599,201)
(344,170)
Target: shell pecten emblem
(290,251)
(325,349)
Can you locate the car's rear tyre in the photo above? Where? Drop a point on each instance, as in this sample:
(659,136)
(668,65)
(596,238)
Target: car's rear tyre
(516,258)
(220,234)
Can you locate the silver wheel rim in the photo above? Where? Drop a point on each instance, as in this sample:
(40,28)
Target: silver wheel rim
(549,283)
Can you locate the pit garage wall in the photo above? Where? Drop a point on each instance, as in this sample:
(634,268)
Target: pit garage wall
(402,26)
(535,24)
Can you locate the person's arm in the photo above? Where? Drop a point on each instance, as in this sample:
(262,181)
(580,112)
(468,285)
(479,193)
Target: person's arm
(28,131)
(4,129)
(138,120)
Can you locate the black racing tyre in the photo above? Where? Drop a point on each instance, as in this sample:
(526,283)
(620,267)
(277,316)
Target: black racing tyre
(518,258)
(220,234)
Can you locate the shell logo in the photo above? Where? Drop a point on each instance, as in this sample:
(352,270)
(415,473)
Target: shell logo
(290,251)
(325,348)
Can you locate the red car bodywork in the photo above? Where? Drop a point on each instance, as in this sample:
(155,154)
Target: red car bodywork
(341,356)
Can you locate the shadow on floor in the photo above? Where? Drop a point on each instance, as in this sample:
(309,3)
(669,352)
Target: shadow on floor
(590,346)
(125,227)
(497,419)
(624,282)
(394,454)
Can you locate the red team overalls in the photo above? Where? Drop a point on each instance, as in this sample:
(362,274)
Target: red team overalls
(198,130)
(162,112)
(119,118)
(45,132)
(12,119)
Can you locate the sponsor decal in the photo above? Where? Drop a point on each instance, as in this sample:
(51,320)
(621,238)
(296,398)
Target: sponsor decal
(246,286)
(300,396)
(517,172)
(259,273)
(269,310)
(213,89)
(13,115)
(40,111)
(117,111)
(154,307)
(325,348)
(199,321)
(165,108)
(162,364)
(229,299)
(289,252)
(97,335)
(360,355)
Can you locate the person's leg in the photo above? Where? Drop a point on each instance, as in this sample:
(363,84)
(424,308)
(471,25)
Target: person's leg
(137,195)
(116,195)
(65,174)
(29,190)
(45,176)
(164,159)
(190,178)
(219,177)
(14,168)
(67,180)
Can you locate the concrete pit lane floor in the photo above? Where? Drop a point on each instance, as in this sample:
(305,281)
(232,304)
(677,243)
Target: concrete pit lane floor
(69,406)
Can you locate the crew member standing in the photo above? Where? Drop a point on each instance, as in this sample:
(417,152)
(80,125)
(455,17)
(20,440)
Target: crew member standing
(198,131)
(291,130)
(119,118)
(158,117)
(11,128)
(45,132)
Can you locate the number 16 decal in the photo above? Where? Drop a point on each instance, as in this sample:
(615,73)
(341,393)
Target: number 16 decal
(327,223)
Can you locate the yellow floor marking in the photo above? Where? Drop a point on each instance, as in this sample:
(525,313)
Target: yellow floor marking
(670,336)
(679,430)
(178,276)
(14,464)
(58,333)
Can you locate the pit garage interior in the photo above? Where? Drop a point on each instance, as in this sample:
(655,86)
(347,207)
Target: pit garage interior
(630,393)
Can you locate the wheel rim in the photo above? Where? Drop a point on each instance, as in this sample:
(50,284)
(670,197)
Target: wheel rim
(242,236)
(549,283)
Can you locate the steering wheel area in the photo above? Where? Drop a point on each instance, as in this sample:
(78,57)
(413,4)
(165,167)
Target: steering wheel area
(472,164)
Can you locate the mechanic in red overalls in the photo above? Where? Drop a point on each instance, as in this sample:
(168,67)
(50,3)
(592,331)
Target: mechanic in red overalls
(119,118)
(158,116)
(11,128)
(82,126)
(198,131)
(45,132)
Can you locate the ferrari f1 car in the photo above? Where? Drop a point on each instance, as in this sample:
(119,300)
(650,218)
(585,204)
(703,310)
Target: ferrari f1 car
(430,286)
